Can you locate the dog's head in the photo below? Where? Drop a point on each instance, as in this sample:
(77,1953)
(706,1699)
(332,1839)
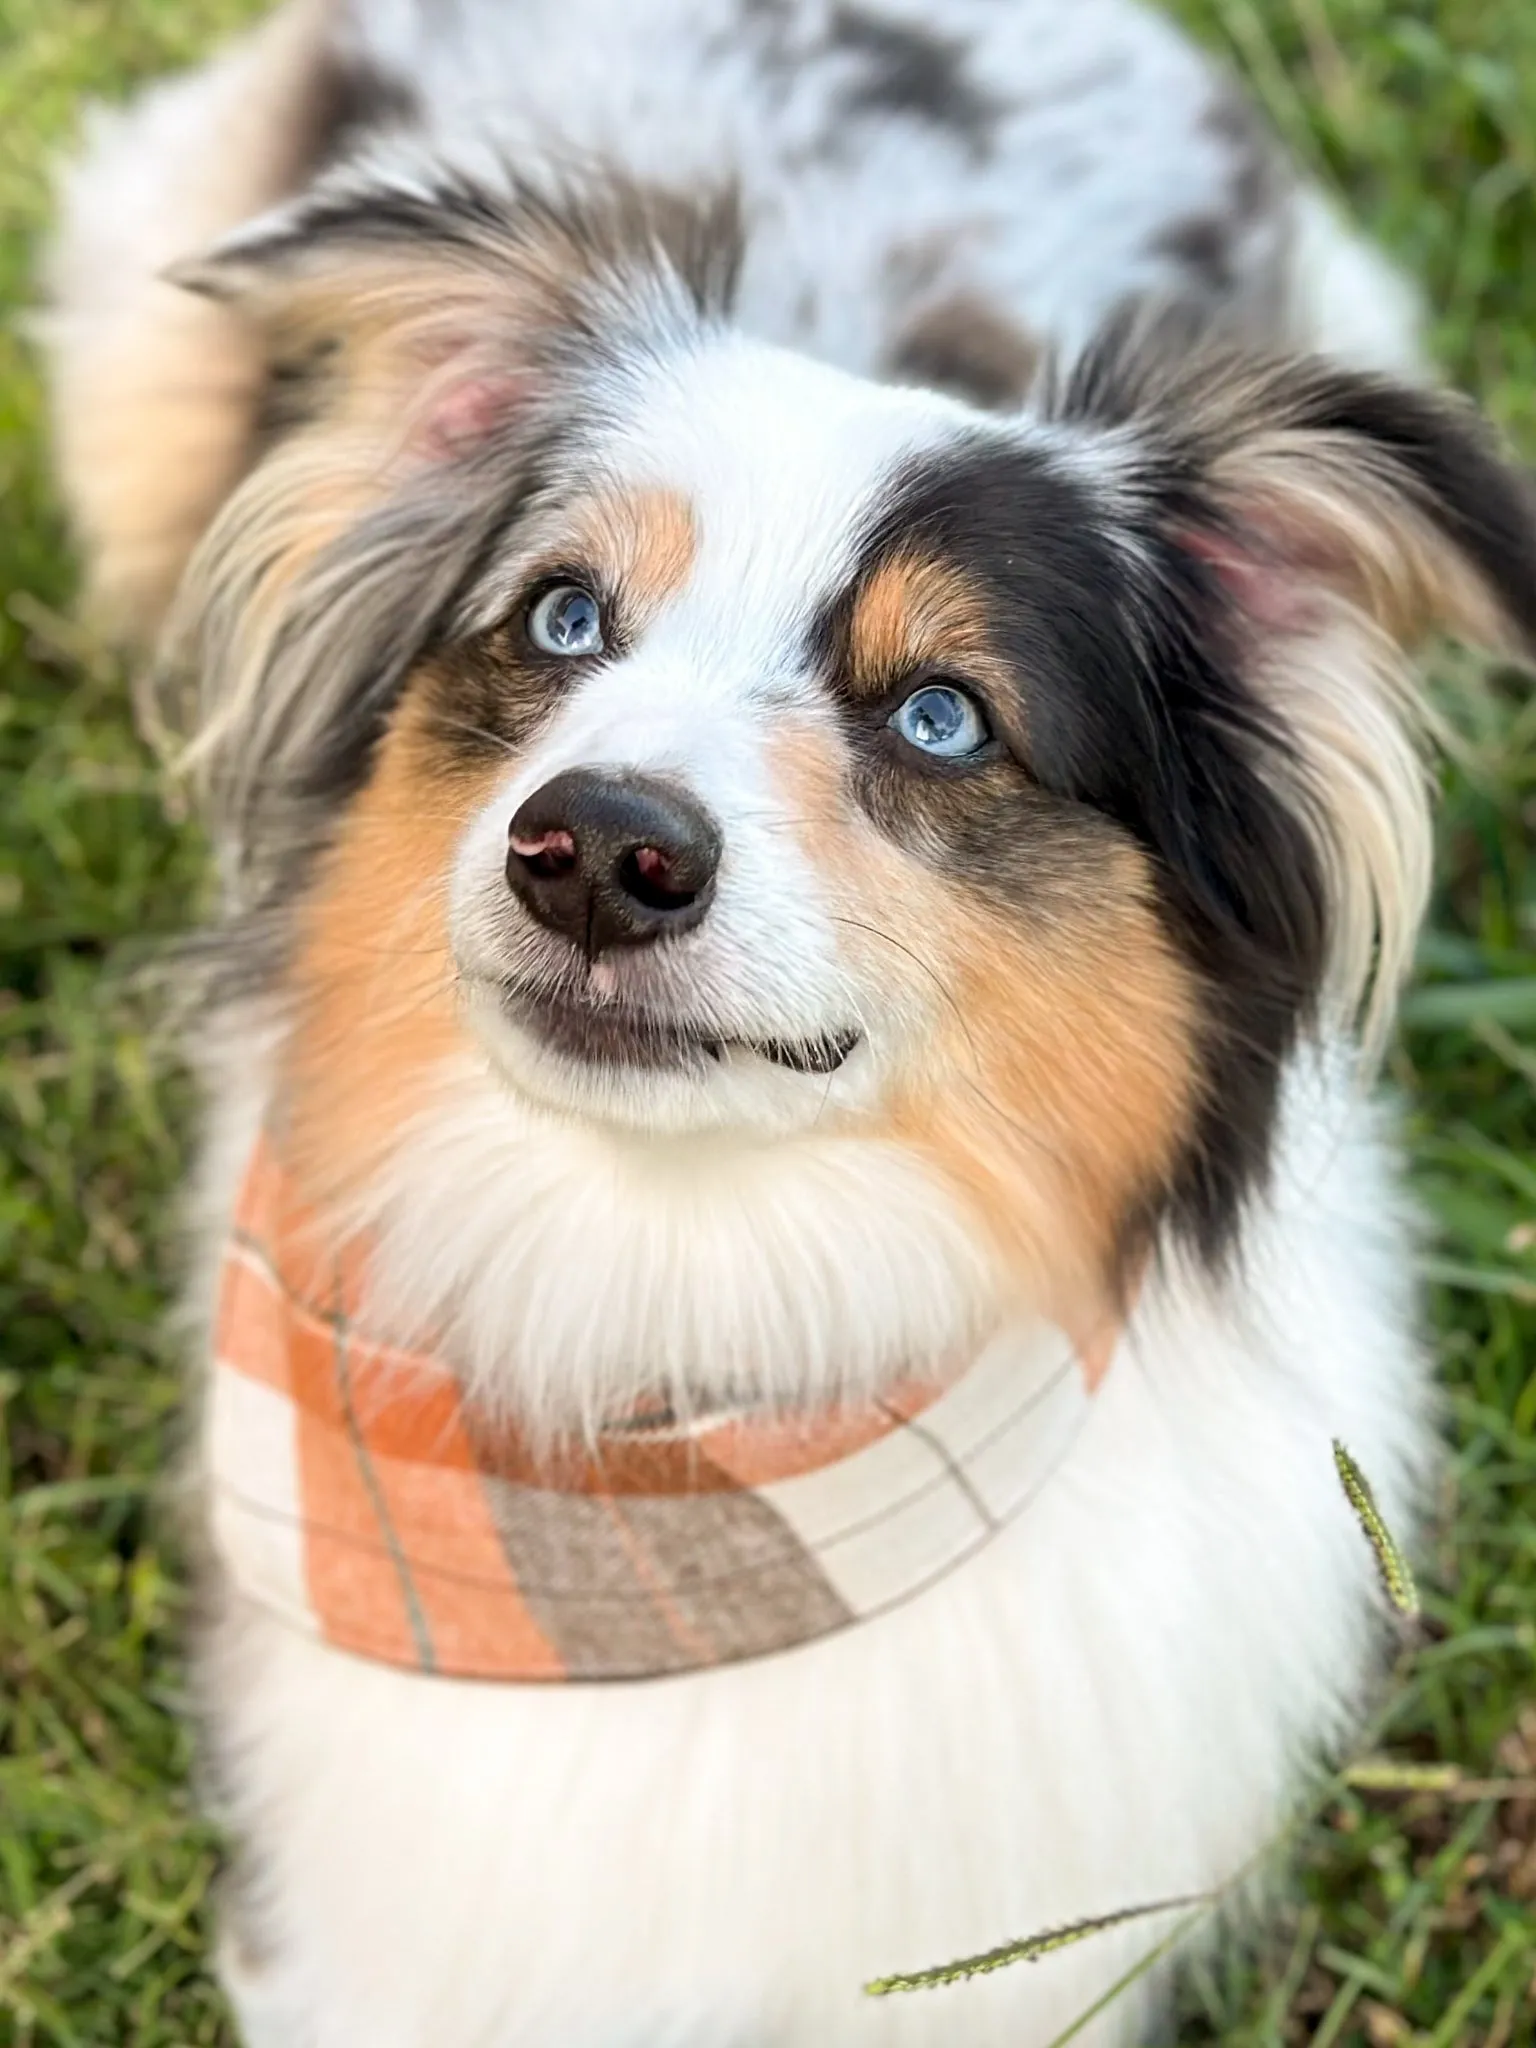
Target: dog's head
(722,751)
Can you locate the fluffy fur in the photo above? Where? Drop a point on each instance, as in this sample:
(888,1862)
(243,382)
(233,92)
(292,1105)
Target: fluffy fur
(835,350)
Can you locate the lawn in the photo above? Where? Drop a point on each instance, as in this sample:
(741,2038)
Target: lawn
(1415,1914)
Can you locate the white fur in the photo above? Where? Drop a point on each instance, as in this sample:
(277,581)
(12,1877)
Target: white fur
(781,460)
(812,1267)
(1101,147)
(1350,302)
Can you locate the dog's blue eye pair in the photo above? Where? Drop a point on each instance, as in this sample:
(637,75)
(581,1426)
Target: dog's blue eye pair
(941,720)
(937,719)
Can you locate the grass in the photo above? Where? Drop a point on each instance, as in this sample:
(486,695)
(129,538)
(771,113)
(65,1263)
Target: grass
(1416,1919)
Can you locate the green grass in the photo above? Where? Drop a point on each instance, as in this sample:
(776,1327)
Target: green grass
(1417,1916)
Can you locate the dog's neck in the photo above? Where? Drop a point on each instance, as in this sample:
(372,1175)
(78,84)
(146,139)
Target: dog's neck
(360,1492)
(572,1273)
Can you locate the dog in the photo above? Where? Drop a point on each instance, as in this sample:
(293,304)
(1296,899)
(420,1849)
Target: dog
(796,621)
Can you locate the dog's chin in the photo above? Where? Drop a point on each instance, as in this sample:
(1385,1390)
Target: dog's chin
(613,1063)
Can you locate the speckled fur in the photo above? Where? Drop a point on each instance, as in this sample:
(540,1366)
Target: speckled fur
(1037,162)
(1049,159)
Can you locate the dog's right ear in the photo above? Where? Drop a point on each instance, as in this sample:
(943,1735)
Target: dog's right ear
(430,346)
(424,318)
(398,327)
(411,316)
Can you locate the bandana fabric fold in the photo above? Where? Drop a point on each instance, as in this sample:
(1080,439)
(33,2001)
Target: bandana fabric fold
(356,1493)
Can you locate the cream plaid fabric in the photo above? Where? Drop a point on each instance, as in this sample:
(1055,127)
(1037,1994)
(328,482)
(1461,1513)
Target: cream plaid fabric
(358,1495)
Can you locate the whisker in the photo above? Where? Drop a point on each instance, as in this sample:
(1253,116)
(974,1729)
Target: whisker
(449,723)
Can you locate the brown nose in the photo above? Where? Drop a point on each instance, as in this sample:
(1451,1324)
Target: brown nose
(612,860)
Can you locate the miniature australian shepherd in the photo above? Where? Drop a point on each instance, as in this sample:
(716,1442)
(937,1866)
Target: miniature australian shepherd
(796,620)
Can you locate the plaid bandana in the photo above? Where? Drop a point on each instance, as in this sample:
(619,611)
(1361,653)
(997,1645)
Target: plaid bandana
(356,1493)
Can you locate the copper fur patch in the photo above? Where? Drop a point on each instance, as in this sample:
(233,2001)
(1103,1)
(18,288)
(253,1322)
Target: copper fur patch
(915,614)
(372,979)
(1053,1071)
(640,544)
(1061,1081)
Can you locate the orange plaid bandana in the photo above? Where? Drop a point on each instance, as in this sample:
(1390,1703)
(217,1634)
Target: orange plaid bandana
(357,1494)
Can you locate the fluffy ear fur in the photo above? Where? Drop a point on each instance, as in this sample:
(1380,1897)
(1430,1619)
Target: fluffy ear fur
(1303,528)
(428,347)
(419,317)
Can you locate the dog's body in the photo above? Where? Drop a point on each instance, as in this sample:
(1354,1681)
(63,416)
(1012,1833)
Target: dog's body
(1109,1703)
(1105,1708)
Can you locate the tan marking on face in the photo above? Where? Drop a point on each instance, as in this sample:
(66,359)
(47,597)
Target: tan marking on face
(372,979)
(913,614)
(1060,1080)
(1051,1071)
(641,543)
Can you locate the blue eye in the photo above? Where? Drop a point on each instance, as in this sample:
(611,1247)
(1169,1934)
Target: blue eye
(566,620)
(939,719)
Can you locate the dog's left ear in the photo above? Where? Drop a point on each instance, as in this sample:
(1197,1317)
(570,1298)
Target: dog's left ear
(1304,528)
(1390,497)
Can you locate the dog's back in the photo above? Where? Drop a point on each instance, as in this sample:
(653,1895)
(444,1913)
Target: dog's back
(898,165)
(934,193)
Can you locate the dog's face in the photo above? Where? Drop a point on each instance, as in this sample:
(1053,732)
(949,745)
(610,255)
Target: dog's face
(663,912)
(715,746)
(758,840)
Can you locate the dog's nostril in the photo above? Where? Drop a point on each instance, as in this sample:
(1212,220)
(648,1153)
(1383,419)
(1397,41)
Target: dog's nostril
(651,876)
(545,853)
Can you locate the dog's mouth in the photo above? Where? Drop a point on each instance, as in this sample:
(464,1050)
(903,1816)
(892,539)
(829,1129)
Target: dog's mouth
(620,1035)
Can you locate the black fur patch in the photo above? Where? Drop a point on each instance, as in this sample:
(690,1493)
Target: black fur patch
(1130,659)
(1214,247)
(1204,245)
(1258,171)
(970,346)
(293,396)
(355,100)
(1130,722)
(916,74)
(1449,466)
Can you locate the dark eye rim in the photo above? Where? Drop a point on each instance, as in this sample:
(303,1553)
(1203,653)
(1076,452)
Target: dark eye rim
(544,586)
